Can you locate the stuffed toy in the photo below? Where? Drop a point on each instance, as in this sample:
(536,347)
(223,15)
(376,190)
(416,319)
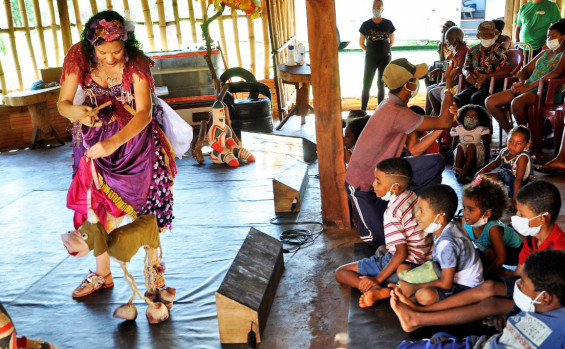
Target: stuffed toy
(122,244)
(224,148)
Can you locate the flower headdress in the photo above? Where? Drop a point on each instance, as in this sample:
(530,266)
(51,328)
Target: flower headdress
(102,31)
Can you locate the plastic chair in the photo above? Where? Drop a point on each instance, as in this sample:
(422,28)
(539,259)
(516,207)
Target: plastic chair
(515,60)
(546,108)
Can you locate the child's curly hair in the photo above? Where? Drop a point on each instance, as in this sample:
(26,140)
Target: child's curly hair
(488,195)
(484,117)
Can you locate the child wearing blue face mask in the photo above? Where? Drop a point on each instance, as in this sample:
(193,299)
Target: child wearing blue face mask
(460,265)
(405,242)
(539,294)
(484,201)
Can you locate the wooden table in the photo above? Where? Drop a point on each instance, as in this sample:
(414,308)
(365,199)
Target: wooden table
(299,76)
(36,103)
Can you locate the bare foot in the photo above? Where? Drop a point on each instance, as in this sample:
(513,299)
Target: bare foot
(403,299)
(375,294)
(404,313)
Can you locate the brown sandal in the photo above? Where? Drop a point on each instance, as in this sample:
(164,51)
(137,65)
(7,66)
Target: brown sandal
(93,282)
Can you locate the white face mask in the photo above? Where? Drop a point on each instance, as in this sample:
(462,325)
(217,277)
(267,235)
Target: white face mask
(522,225)
(480,222)
(389,196)
(488,42)
(523,301)
(414,92)
(377,12)
(433,227)
(451,48)
(553,44)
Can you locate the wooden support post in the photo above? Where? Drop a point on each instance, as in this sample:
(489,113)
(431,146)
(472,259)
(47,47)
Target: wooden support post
(290,185)
(127,15)
(23,13)
(224,50)
(77,17)
(148,24)
(177,23)
(109,5)
(94,7)
(322,35)
(236,36)
(509,30)
(39,28)
(192,21)
(251,31)
(65,25)
(3,80)
(54,32)
(9,19)
(244,299)
(266,43)
(162,25)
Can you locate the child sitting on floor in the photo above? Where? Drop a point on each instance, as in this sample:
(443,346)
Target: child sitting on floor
(405,241)
(460,264)
(539,294)
(351,134)
(513,166)
(484,201)
(470,138)
(538,205)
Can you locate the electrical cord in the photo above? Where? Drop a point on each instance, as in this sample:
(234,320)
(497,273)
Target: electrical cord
(297,239)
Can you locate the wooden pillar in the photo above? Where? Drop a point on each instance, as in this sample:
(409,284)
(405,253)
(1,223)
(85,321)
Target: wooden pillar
(236,37)
(126,10)
(54,32)
(162,25)
(266,43)
(39,28)
(509,29)
(3,80)
(77,17)
(177,23)
(251,33)
(65,25)
(9,19)
(94,6)
(192,21)
(23,13)
(148,24)
(322,36)
(224,51)
(109,5)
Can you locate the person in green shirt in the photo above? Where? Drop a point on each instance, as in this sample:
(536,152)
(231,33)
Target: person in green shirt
(532,21)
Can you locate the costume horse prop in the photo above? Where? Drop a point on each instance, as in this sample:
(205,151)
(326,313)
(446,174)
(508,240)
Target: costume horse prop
(122,244)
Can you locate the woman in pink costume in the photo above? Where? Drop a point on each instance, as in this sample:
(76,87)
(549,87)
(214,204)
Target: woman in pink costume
(123,160)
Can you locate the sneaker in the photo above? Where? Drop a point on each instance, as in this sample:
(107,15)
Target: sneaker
(93,282)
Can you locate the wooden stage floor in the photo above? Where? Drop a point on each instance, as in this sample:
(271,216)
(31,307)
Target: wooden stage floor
(214,208)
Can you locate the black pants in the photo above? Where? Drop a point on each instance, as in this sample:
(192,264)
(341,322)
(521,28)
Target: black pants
(475,95)
(371,65)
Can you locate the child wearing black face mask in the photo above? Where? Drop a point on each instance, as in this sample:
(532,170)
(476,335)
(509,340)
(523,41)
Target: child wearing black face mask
(377,36)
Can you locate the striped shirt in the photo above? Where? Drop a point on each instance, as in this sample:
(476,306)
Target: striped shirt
(401,227)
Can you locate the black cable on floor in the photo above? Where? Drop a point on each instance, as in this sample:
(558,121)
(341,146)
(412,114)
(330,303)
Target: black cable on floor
(296,239)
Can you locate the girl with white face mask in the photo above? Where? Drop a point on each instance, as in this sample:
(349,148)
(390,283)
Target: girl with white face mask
(484,201)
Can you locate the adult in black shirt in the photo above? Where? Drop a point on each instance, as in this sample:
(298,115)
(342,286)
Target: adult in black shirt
(377,36)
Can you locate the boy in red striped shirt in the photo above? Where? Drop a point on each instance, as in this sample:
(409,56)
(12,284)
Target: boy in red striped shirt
(405,241)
